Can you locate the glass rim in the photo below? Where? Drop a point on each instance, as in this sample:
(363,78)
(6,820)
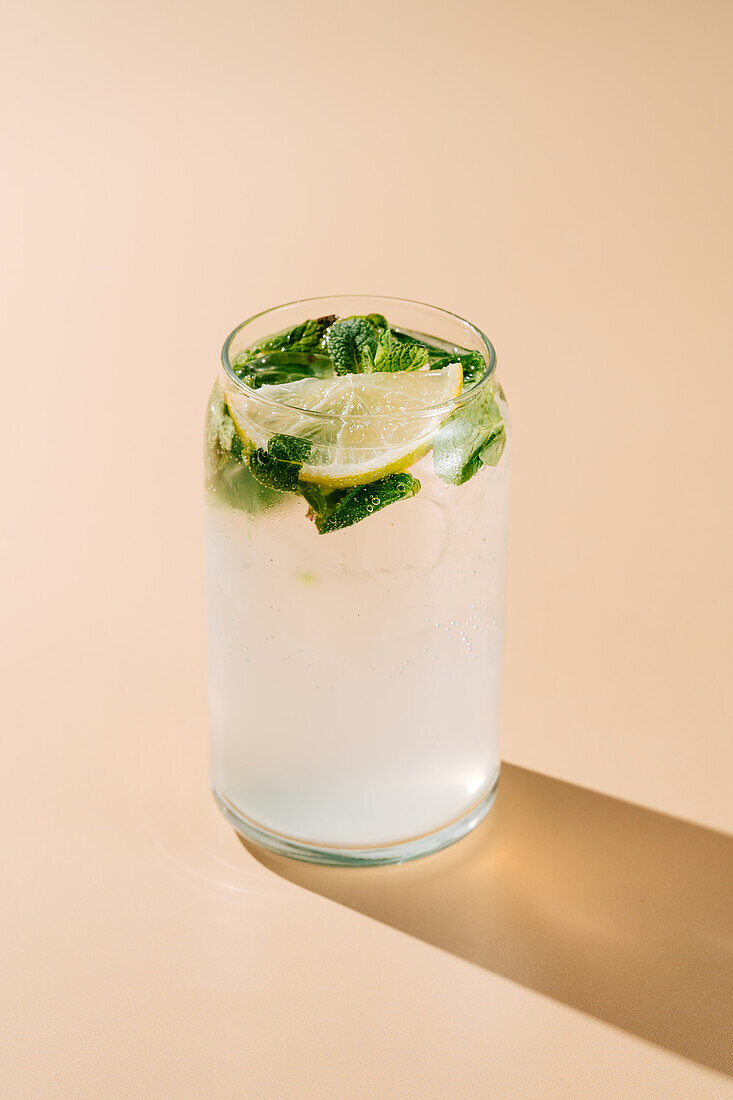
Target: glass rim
(443,406)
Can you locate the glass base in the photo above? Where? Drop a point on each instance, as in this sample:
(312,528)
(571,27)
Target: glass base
(402,852)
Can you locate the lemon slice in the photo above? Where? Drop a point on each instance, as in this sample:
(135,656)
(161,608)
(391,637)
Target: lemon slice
(362,426)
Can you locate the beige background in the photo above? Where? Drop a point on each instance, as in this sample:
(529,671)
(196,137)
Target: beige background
(560,174)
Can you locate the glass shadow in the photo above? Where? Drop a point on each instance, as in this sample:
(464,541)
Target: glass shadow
(616,910)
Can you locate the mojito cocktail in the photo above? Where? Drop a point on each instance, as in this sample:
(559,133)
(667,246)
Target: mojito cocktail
(357,477)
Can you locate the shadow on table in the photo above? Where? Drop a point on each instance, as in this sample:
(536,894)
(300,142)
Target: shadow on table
(621,912)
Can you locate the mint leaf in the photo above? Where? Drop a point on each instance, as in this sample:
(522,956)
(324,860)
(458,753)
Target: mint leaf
(475,430)
(394,355)
(379,321)
(273,473)
(472,362)
(351,344)
(306,336)
(353,505)
(275,367)
(474,367)
(254,364)
(494,449)
(289,448)
(279,465)
(320,500)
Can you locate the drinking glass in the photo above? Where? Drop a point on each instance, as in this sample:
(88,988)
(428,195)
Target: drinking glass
(355,676)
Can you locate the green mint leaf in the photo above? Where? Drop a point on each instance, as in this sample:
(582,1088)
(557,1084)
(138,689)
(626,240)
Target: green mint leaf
(320,500)
(289,448)
(351,343)
(494,449)
(278,466)
(276,367)
(273,473)
(306,336)
(461,441)
(304,339)
(472,362)
(353,505)
(394,355)
(474,367)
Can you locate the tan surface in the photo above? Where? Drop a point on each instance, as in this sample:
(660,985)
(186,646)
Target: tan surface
(559,174)
(576,895)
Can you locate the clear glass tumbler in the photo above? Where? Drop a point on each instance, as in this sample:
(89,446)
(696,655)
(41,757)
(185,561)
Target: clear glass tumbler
(355,674)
